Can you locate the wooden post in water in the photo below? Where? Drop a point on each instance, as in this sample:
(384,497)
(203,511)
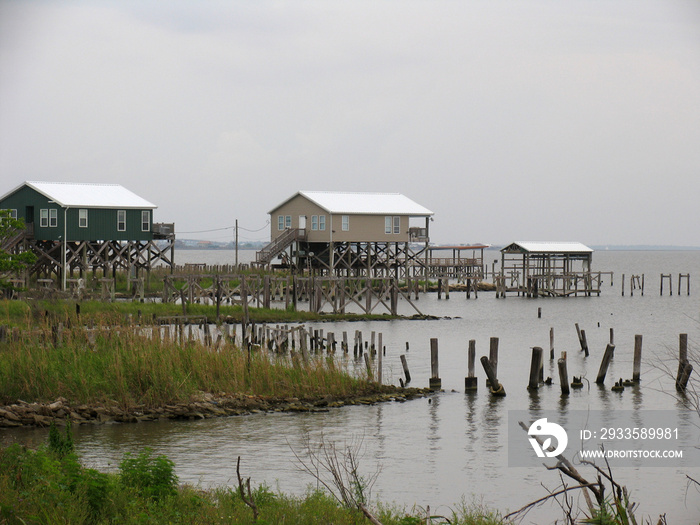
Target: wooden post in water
(496,388)
(369,367)
(670,284)
(637,365)
(685,276)
(551,342)
(612,336)
(603,370)
(684,367)
(563,375)
(470,382)
(582,339)
(493,356)
(380,360)
(623,285)
(435,381)
(404,364)
(684,377)
(535,363)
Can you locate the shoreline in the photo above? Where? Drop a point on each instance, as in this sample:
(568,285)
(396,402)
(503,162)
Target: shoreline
(202,406)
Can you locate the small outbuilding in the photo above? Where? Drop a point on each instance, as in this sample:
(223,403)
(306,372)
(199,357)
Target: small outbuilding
(548,268)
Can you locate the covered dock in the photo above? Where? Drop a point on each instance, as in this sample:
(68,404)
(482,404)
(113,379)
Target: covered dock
(557,269)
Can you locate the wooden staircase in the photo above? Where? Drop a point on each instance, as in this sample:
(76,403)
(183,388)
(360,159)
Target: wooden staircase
(278,245)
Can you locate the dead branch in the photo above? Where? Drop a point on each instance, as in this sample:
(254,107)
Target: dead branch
(339,473)
(245,492)
(565,466)
(543,499)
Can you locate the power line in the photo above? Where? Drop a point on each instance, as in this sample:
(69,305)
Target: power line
(230,228)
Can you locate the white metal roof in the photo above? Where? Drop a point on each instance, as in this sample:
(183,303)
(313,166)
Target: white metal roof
(88,195)
(550,247)
(361,203)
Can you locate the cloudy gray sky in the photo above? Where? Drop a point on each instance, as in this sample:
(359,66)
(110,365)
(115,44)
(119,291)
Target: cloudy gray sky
(528,120)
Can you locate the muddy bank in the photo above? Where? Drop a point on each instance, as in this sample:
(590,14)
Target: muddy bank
(203,406)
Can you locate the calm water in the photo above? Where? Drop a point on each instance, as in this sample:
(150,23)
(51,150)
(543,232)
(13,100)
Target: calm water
(454,445)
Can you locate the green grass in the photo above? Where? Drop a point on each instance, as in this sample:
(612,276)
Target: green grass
(130,366)
(46,487)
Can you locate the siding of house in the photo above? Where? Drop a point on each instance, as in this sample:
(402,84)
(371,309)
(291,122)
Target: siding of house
(101,223)
(363,228)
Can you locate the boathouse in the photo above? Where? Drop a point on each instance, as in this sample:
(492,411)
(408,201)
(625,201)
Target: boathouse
(76,226)
(547,269)
(348,233)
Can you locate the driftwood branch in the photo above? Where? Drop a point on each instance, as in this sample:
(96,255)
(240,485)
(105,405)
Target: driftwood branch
(565,466)
(545,498)
(244,490)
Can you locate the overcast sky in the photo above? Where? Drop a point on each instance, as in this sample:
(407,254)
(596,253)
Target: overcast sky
(511,120)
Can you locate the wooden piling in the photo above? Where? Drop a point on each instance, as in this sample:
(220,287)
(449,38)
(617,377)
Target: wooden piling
(496,388)
(404,364)
(435,381)
(380,361)
(493,355)
(470,382)
(582,339)
(563,376)
(670,284)
(603,370)
(551,343)
(637,365)
(535,364)
(684,377)
(368,365)
(682,361)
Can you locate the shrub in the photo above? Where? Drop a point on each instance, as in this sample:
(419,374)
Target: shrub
(152,477)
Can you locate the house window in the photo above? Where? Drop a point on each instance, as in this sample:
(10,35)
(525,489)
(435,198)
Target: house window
(121,220)
(145,221)
(53,217)
(44,218)
(82,218)
(387,224)
(346,223)
(283,222)
(397,225)
(322,222)
(314,222)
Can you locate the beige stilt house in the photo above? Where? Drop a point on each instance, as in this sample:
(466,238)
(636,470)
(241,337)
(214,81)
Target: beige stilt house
(347,233)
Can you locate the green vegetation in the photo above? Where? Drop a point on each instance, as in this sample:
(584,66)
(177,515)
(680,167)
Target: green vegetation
(137,366)
(11,262)
(50,485)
